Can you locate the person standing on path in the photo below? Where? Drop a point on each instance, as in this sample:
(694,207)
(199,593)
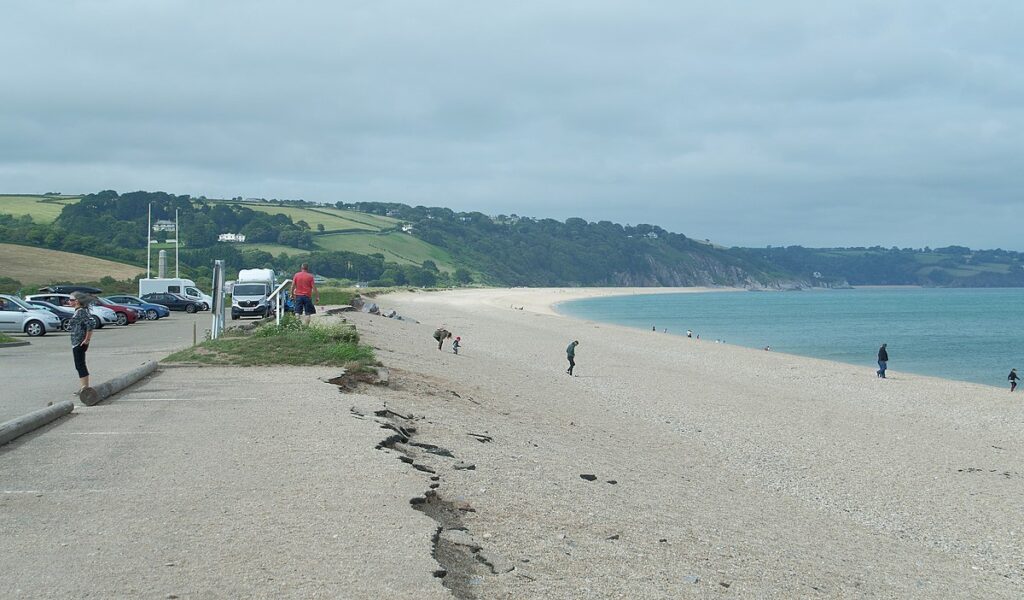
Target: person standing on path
(1013,379)
(80,325)
(883,361)
(570,353)
(302,290)
(441,335)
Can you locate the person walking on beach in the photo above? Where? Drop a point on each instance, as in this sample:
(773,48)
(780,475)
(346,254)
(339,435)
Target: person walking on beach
(570,353)
(441,335)
(455,345)
(883,361)
(1013,379)
(80,325)
(302,290)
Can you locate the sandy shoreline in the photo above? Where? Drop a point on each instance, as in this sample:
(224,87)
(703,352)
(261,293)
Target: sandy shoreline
(737,471)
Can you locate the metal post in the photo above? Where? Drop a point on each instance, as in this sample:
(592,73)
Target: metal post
(218,299)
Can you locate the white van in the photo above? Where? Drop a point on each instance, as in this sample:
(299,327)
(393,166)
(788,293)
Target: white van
(182,287)
(250,291)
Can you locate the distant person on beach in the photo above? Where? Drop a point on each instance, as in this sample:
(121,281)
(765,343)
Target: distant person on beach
(455,345)
(883,361)
(654,329)
(302,290)
(80,325)
(689,333)
(570,353)
(1013,379)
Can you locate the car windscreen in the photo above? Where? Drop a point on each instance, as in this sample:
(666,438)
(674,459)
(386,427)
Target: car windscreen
(249,289)
(23,304)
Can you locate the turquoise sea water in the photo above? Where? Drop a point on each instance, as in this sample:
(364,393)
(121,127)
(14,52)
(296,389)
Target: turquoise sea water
(966,334)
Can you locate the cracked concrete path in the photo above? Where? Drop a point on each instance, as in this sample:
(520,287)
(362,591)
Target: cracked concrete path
(213,483)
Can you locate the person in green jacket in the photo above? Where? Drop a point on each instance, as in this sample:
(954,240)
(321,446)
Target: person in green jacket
(570,353)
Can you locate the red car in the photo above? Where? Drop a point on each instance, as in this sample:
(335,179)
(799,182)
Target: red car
(126,315)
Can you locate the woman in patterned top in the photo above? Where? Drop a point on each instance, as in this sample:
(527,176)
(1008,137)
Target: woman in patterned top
(81,325)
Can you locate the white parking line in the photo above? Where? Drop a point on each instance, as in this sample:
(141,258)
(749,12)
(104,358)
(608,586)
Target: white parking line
(114,432)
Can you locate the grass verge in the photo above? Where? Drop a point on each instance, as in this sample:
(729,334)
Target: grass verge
(6,338)
(290,343)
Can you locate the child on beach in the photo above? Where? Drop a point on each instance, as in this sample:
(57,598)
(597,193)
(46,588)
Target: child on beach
(1013,379)
(456,344)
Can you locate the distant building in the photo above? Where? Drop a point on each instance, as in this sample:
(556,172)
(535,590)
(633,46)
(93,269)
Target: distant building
(163,225)
(231,237)
(407,228)
(652,234)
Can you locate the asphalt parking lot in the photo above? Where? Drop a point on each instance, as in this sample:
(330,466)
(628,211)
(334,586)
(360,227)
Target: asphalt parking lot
(33,376)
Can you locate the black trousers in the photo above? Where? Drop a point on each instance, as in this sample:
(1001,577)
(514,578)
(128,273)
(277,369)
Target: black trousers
(572,363)
(79,353)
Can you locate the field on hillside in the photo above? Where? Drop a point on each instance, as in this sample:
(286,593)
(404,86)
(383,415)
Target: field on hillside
(331,218)
(401,248)
(43,209)
(33,266)
(274,249)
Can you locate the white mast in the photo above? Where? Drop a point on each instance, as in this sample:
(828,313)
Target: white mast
(177,242)
(149,234)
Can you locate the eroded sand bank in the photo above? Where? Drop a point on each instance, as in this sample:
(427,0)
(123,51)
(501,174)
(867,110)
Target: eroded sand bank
(737,472)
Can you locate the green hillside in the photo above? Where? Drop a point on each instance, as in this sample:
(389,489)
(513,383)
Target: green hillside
(42,209)
(331,218)
(397,247)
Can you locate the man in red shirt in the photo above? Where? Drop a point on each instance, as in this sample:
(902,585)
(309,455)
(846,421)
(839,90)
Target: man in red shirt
(302,291)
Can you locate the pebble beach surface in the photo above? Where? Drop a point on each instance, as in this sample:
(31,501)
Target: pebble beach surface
(674,467)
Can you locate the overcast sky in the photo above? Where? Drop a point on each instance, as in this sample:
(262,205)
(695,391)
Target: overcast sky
(749,123)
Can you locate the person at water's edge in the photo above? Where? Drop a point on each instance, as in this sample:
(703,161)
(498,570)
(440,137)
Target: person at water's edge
(441,335)
(570,353)
(883,360)
(1013,379)
(80,326)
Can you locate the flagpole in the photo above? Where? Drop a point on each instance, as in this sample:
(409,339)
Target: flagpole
(177,242)
(149,234)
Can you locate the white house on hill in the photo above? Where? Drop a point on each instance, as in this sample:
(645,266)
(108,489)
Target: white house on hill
(231,237)
(163,225)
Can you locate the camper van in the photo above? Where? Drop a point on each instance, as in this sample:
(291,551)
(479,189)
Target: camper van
(182,287)
(249,294)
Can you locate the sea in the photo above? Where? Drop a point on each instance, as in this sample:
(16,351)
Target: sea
(974,335)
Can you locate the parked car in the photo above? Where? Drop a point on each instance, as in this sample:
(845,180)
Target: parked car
(67,289)
(149,310)
(126,315)
(16,315)
(64,314)
(173,301)
(102,315)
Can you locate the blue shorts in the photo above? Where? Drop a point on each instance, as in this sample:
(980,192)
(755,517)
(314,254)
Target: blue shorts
(304,304)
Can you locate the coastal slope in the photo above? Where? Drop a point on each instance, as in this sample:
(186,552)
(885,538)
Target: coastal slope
(672,467)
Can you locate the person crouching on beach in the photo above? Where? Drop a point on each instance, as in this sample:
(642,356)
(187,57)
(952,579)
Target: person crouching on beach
(883,361)
(1013,379)
(455,345)
(570,353)
(441,335)
(80,325)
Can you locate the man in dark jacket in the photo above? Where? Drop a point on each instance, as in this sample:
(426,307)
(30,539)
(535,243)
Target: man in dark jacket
(570,353)
(883,360)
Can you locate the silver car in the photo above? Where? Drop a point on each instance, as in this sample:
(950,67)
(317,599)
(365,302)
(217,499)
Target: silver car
(18,316)
(101,314)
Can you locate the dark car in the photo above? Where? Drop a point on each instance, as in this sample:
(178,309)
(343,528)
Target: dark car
(173,302)
(67,289)
(64,314)
(149,310)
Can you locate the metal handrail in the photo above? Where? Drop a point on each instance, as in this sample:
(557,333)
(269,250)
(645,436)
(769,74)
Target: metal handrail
(276,297)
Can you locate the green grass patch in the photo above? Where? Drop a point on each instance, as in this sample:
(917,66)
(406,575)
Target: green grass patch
(396,247)
(290,343)
(274,249)
(42,209)
(6,338)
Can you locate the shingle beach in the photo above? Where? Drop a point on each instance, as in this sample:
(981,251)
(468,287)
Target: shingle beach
(672,467)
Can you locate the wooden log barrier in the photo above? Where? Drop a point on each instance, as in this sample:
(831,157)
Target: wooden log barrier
(91,396)
(33,420)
